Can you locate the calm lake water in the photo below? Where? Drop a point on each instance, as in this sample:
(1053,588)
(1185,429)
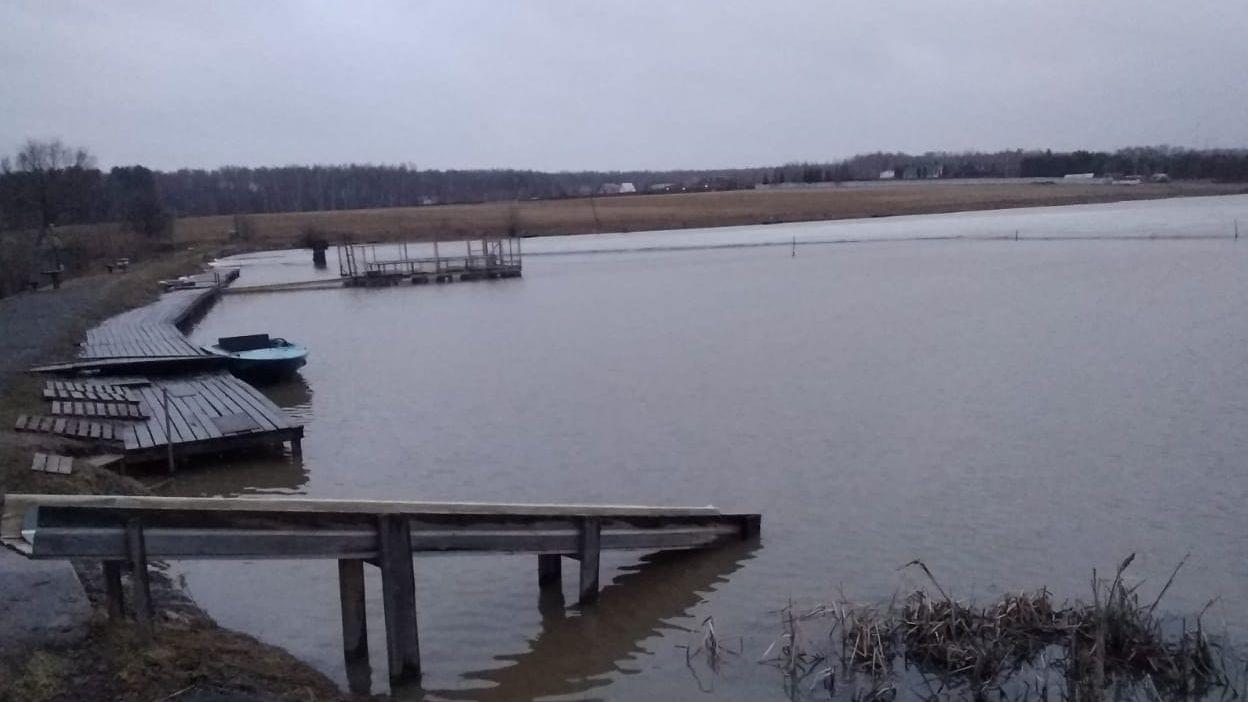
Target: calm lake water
(1012,413)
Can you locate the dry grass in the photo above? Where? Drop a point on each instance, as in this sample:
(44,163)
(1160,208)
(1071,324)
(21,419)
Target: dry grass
(116,662)
(652,212)
(1021,646)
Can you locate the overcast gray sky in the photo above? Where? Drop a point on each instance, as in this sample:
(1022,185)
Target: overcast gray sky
(609,84)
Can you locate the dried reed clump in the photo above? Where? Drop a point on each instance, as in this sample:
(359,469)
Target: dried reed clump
(1008,648)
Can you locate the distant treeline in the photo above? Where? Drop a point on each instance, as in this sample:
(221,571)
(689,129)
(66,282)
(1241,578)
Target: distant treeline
(68,189)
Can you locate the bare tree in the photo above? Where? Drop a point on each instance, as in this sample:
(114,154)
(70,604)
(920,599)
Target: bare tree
(49,175)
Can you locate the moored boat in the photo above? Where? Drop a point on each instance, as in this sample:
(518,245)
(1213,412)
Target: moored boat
(259,357)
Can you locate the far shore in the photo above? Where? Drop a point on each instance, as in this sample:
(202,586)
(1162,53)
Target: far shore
(631,213)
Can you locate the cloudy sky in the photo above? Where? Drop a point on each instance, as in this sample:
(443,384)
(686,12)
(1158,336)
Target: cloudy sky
(624,84)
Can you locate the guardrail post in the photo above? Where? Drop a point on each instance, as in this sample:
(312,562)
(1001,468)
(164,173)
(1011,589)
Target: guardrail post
(139,581)
(590,545)
(354,615)
(398,592)
(112,590)
(549,570)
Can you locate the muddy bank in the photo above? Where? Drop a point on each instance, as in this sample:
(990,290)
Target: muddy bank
(188,655)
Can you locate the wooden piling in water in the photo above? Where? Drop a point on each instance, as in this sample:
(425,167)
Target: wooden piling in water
(549,570)
(139,581)
(589,548)
(354,611)
(398,593)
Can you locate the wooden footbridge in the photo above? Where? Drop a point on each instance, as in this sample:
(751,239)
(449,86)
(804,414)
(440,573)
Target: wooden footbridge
(141,390)
(125,532)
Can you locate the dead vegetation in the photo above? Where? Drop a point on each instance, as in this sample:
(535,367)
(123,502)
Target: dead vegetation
(1023,646)
(650,212)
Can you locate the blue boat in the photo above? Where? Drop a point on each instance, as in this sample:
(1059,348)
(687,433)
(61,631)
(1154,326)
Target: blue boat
(259,357)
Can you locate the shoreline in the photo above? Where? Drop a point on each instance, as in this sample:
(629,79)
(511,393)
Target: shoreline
(633,213)
(189,652)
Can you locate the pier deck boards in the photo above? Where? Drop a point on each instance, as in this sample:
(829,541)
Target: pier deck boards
(209,410)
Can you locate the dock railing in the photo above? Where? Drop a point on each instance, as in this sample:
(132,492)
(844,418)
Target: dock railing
(128,531)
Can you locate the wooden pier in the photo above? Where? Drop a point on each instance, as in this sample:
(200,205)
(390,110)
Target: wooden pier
(130,530)
(361,264)
(140,389)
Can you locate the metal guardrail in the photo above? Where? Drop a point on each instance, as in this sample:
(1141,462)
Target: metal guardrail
(130,530)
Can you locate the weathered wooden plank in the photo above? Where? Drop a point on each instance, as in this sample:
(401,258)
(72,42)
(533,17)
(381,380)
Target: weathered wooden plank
(351,594)
(59,427)
(112,590)
(233,390)
(140,582)
(588,551)
(39,462)
(357,541)
(222,402)
(398,593)
(46,424)
(280,505)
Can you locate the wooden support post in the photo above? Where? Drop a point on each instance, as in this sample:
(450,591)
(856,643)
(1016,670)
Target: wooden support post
(140,585)
(168,430)
(296,448)
(112,590)
(751,526)
(354,615)
(549,570)
(591,537)
(398,592)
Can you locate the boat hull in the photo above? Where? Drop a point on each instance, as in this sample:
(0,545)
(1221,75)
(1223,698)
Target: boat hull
(264,365)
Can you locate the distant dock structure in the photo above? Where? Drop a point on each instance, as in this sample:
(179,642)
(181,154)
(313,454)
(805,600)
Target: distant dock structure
(483,259)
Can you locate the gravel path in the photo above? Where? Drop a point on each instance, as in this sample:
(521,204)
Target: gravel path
(34,324)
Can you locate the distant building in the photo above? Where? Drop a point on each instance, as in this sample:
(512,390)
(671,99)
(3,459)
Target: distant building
(1160,178)
(627,188)
(888,175)
(1079,176)
(609,189)
(663,187)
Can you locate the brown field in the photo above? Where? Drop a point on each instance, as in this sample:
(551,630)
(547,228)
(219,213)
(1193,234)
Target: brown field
(676,211)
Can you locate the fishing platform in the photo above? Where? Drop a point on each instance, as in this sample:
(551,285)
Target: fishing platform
(128,531)
(486,259)
(142,391)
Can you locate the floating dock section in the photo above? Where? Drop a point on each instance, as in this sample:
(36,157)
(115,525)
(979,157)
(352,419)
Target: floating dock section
(140,389)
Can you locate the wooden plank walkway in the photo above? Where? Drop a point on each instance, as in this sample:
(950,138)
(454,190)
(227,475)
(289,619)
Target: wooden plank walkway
(208,410)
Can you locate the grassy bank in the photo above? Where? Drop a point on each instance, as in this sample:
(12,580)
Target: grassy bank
(675,211)
(188,651)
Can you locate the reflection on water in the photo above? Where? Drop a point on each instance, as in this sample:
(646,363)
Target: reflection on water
(293,394)
(251,473)
(1012,413)
(575,649)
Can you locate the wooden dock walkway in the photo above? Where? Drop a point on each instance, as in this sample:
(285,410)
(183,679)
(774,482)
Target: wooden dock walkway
(183,404)
(130,530)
